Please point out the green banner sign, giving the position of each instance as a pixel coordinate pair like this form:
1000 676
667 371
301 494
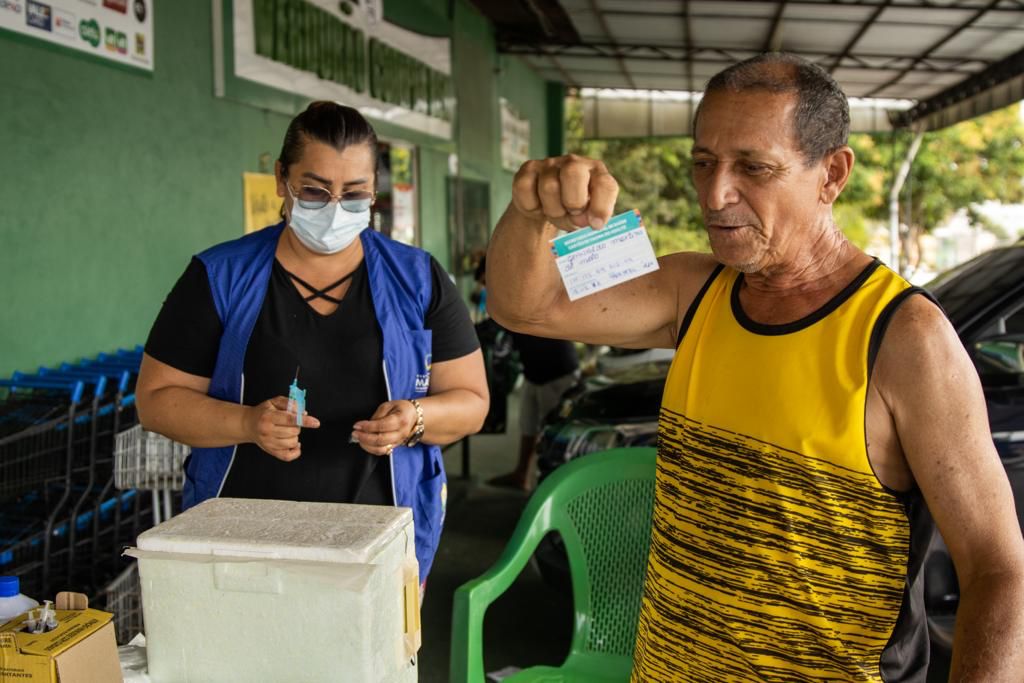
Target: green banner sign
311 39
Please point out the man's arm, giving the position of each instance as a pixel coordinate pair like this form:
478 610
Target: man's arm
525 291
933 393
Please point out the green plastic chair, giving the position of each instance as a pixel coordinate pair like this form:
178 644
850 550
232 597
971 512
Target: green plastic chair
601 505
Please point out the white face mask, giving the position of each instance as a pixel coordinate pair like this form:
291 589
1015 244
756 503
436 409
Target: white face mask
327 230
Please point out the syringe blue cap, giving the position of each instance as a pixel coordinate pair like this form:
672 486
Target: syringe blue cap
10 586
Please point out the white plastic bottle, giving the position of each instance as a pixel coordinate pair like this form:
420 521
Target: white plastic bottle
12 602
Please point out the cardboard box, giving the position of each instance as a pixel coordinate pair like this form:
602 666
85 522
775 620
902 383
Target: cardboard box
81 649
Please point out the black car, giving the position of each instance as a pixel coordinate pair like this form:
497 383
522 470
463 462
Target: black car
984 299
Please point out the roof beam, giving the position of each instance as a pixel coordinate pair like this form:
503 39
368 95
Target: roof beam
688 44
569 80
542 19
920 4
935 46
994 75
717 16
938 65
856 38
773 43
608 34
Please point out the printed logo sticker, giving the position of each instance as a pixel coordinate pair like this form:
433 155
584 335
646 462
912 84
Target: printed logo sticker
423 380
116 41
117 5
89 32
11 6
64 23
139 9
140 44
39 15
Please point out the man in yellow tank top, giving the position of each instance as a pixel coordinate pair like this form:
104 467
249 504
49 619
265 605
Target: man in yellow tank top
817 407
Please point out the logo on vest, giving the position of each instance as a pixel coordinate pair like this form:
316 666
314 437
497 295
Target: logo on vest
423 379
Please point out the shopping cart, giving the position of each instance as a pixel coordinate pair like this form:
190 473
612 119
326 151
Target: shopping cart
62 523
123 598
38 452
150 462
49 556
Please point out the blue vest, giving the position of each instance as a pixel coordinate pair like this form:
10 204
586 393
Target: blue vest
400 284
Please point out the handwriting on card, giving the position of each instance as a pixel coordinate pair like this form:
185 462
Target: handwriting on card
593 260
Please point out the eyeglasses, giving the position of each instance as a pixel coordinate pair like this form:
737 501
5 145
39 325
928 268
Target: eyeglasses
313 197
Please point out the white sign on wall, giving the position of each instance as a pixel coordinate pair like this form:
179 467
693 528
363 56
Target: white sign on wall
318 62
118 30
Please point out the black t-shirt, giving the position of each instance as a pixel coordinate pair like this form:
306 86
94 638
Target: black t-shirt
341 369
545 359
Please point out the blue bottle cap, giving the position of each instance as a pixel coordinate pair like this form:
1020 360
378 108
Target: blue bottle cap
10 586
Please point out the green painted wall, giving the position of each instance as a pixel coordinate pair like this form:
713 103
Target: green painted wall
529 96
114 178
476 91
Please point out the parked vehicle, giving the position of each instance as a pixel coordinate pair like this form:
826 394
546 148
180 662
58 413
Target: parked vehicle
984 299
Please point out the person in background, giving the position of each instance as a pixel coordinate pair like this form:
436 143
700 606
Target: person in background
375 330
550 368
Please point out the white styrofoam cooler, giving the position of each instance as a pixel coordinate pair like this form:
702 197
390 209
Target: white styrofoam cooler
258 590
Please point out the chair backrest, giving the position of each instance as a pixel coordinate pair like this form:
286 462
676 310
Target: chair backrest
601 505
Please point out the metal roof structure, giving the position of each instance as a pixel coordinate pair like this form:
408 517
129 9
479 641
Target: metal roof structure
949 59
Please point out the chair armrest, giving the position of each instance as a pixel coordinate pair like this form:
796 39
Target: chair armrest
473 598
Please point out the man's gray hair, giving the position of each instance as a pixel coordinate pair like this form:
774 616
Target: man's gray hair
821 124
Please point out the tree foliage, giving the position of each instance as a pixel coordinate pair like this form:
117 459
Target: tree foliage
654 177
956 167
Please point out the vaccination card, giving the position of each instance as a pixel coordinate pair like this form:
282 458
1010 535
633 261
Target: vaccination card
593 260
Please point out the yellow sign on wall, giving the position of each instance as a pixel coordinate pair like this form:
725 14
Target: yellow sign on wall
261 204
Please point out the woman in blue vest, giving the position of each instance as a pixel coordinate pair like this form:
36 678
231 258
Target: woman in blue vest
375 330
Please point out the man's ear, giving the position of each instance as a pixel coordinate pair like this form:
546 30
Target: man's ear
838 166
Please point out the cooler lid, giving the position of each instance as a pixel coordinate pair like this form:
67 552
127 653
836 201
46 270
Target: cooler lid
286 530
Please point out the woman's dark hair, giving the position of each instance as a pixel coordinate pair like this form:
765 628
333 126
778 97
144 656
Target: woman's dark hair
822 118
330 123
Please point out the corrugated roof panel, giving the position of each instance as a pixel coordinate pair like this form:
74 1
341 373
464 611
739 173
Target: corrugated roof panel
864 76
651 38
661 82
646 30
572 64
937 81
983 44
730 34
740 10
609 80
926 16
650 66
807 36
900 41
834 13
637 6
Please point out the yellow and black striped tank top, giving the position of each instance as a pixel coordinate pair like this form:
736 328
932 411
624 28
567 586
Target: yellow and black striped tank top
776 554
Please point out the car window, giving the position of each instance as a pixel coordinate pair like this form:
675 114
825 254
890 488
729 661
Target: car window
999 352
973 286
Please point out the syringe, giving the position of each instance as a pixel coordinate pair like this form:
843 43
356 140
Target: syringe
297 399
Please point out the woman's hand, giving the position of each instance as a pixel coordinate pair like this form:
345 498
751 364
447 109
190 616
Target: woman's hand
391 425
272 427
